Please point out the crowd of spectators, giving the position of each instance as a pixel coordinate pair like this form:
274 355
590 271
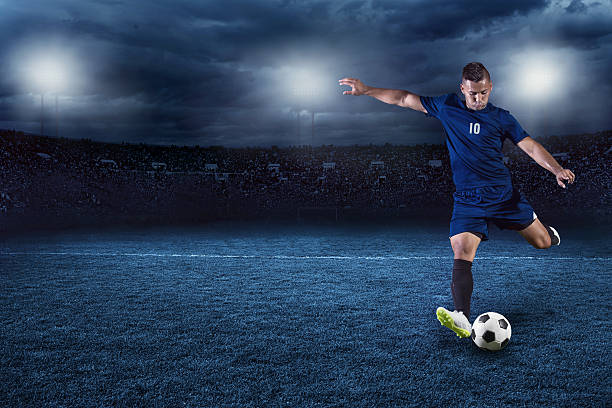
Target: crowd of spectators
43 178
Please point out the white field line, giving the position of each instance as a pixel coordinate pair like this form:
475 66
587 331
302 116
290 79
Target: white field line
298 257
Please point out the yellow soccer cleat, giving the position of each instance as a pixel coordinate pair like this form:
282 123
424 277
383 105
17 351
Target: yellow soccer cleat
456 321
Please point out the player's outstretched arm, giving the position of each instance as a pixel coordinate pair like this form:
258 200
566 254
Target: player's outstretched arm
538 153
397 97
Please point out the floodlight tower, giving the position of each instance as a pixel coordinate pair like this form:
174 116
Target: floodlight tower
306 92
56 117
312 126
42 113
49 76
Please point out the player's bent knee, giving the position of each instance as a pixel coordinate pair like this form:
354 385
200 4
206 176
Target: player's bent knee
541 243
537 235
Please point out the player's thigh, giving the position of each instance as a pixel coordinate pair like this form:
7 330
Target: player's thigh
465 245
536 234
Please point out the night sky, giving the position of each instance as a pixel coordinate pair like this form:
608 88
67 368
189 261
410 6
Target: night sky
237 73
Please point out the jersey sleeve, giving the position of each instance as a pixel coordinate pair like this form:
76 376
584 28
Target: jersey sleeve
513 130
433 104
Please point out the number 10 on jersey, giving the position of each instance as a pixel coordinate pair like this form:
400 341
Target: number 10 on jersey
474 128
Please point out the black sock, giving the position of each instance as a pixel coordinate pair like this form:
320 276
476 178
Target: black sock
462 285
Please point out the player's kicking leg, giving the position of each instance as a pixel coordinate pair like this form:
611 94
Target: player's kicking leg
541 236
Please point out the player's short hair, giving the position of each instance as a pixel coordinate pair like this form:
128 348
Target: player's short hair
475 72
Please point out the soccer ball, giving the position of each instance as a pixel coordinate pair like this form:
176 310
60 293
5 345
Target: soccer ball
491 331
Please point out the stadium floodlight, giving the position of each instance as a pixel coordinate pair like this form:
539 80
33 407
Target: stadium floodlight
541 78
538 75
537 80
45 66
307 85
49 75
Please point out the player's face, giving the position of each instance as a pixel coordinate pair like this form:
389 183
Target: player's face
476 93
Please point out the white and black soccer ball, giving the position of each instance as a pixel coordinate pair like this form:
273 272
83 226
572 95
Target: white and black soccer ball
491 331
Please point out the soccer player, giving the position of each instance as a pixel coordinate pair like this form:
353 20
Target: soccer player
475 132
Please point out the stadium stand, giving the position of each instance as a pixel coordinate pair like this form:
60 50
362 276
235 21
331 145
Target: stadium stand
50 181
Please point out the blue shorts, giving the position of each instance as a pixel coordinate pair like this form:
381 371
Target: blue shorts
505 206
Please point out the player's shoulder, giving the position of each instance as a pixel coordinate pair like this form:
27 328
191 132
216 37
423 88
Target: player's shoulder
435 105
498 109
441 99
502 113
451 99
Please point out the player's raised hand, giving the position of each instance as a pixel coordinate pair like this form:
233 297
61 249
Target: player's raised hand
565 176
357 87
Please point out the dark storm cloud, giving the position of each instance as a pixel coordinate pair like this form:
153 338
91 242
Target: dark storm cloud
221 72
439 19
576 6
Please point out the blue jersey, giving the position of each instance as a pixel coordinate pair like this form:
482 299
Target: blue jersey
474 140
